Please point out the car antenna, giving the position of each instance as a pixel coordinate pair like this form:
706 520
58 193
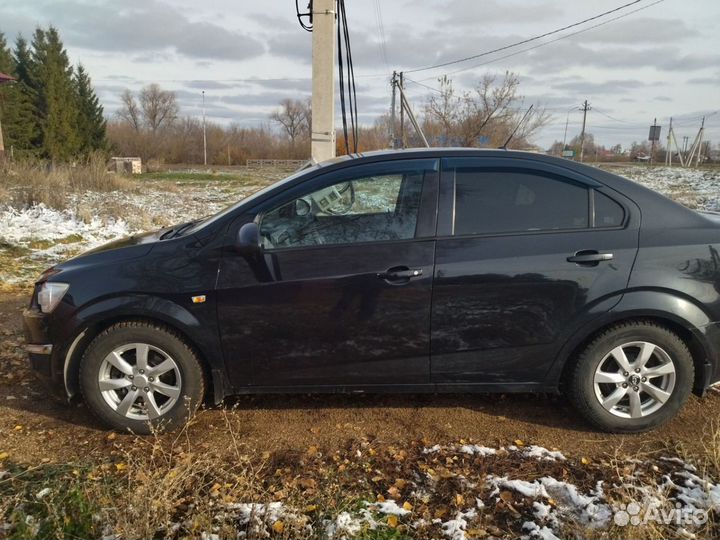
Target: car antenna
520 123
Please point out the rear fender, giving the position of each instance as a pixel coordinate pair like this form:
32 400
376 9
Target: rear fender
660 305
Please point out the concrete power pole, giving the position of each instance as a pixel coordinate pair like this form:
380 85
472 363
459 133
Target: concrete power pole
585 108
204 131
322 144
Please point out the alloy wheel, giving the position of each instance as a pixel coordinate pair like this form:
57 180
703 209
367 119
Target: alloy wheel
634 379
140 381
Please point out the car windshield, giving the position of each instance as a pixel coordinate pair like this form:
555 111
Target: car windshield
248 200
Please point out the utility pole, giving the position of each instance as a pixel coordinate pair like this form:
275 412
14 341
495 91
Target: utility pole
402 112
585 108
2 146
204 131
567 120
393 82
653 139
668 151
324 27
405 104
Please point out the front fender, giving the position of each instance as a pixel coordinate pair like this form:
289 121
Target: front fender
198 326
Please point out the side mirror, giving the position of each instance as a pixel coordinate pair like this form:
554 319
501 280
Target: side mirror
248 239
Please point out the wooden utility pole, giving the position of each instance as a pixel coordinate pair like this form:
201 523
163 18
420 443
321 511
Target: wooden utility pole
324 28
585 108
2 145
393 82
402 113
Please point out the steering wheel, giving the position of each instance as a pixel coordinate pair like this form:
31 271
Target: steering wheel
338 210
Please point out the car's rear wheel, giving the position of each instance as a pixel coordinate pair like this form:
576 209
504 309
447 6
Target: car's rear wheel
140 376
632 377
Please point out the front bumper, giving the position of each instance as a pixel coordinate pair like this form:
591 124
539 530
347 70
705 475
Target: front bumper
46 359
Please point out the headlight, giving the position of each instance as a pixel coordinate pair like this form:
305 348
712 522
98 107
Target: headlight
50 294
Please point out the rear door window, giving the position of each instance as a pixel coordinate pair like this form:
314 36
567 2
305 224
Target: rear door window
509 201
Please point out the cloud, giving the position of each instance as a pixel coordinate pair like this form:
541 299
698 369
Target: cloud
482 13
654 30
141 25
612 86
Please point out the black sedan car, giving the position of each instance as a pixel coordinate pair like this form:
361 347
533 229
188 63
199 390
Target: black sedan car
407 271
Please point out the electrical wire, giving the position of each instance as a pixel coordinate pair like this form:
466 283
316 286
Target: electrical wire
528 40
381 33
306 27
345 50
521 51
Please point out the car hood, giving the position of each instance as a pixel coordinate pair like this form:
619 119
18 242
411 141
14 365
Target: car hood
123 249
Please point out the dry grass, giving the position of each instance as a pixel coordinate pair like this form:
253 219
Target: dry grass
24 184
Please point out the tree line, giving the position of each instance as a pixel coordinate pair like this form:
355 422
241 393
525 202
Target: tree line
51 111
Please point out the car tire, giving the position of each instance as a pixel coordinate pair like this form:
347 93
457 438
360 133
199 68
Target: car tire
141 377
632 377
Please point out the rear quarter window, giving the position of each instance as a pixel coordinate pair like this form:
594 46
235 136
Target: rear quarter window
608 213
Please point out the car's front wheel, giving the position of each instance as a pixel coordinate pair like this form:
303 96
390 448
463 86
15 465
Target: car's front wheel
140 376
632 377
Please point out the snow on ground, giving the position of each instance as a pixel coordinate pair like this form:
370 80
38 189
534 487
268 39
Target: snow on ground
36 237
698 189
39 236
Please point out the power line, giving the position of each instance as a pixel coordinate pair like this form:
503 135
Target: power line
381 33
551 41
528 40
611 117
300 16
343 38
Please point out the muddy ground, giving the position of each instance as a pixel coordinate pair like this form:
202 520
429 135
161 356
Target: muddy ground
34 427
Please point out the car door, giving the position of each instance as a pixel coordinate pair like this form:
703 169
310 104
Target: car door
340 293
526 253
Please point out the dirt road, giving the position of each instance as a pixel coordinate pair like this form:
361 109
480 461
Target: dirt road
33 427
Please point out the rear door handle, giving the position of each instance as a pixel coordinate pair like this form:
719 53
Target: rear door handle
400 274
589 257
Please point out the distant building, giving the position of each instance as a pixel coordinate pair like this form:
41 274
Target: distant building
127 165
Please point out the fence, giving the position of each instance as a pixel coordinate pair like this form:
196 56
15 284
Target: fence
279 163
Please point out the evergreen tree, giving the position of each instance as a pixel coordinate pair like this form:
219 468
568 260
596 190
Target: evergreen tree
90 122
51 77
19 121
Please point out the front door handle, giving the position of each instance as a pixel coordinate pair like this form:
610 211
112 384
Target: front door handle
589 257
400 274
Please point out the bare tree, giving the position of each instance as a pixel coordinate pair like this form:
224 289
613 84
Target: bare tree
130 112
159 107
295 118
492 109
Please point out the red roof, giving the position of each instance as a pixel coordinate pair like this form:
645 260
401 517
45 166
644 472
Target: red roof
5 78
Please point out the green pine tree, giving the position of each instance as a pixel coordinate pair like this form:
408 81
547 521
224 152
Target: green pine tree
90 123
51 77
17 114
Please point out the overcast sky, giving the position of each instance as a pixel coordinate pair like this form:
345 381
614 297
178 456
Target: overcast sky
247 55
